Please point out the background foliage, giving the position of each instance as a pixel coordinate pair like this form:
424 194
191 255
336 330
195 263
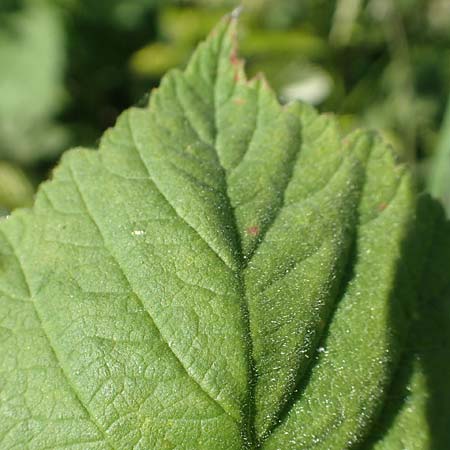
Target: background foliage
69 67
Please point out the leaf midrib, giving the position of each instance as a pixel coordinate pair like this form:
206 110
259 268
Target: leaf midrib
248 432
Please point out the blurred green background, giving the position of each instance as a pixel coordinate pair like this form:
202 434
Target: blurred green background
69 67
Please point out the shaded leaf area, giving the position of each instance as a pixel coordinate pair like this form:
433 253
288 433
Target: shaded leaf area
223 273
418 404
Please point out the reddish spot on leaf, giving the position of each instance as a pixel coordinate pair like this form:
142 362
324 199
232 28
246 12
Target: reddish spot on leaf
382 206
253 231
234 59
239 101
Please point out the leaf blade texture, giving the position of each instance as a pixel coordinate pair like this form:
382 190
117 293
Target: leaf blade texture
222 273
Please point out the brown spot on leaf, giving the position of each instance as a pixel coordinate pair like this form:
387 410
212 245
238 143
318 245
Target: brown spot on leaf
382 206
253 231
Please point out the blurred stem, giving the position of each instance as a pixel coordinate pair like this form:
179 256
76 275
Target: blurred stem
439 179
345 15
397 42
362 87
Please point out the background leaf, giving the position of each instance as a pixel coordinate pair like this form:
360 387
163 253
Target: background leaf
15 188
32 46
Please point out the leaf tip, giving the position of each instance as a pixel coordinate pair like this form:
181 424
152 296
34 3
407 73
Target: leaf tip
236 13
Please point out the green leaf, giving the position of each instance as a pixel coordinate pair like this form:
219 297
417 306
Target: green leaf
32 58
223 273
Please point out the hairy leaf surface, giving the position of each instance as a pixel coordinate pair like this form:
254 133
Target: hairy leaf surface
223 273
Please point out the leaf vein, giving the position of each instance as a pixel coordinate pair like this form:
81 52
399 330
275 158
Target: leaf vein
152 321
52 348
